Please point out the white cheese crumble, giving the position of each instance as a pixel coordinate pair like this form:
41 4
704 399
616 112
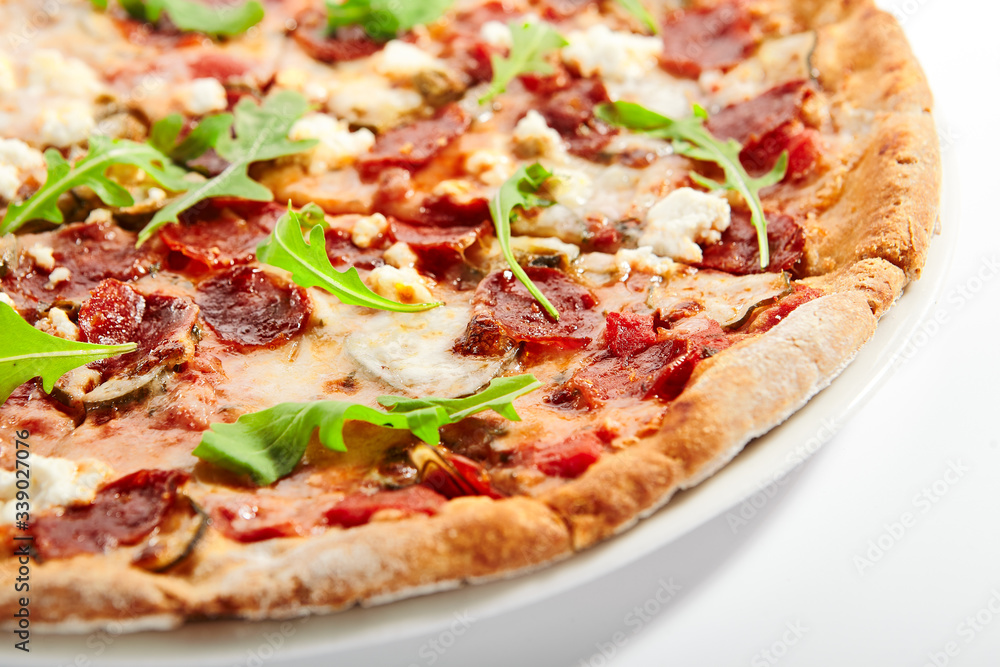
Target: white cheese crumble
67 123
203 96
403 285
294 78
544 245
676 223
372 101
534 138
7 300
402 60
54 482
59 275
41 255
52 71
18 160
644 260
338 147
496 33
490 167
367 229
400 255
612 55
58 324
99 215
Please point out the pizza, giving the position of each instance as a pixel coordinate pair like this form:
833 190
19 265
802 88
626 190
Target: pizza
308 306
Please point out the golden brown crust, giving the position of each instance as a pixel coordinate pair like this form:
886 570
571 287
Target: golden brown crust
861 251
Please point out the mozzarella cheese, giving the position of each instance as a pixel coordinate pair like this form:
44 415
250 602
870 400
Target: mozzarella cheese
59 275
676 224
489 166
496 34
67 123
615 56
644 260
534 138
7 300
400 255
367 229
41 255
203 96
403 285
401 60
52 71
373 101
18 161
338 147
53 482
413 352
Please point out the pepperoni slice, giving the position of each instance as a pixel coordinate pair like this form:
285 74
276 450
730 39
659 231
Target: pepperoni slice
161 325
91 252
659 371
342 251
571 457
349 43
440 250
124 511
772 316
710 38
249 308
223 233
358 508
217 65
769 124
413 146
629 333
571 113
738 252
509 306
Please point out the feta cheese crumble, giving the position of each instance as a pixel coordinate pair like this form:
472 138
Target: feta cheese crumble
676 224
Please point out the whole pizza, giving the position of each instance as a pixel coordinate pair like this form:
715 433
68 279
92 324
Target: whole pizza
308 305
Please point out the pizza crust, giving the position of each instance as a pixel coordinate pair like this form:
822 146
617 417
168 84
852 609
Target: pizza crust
743 392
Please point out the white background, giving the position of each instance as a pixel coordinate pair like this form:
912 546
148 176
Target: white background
822 572
794 563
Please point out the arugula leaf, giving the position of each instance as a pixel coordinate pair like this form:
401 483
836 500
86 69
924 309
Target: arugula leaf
205 135
90 171
691 139
26 353
531 43
310 266
638 10
225 20
267 445
520 191
261 134
382 20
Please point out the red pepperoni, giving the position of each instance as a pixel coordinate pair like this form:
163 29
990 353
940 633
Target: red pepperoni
464 45
249 308
659 371
123 512
710 38
519 316
466 478
223 233
772 316
349 42
706 336
629 333
91 252
561 9
161 326
217 65
342 251
739 253
769 124
249 518
571 113
570 458
413 146
358 508
440 250
397 197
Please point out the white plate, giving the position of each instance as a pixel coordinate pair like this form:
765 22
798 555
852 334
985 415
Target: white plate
755 473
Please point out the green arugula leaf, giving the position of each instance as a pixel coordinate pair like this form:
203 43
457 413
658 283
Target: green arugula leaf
691 139
205 135
638 10
310 266
383 20
531 44
267 445
90 171
311 215
520 191
261 134
26 353
225 20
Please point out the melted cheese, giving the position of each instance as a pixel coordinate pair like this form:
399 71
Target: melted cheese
413 352
53 482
